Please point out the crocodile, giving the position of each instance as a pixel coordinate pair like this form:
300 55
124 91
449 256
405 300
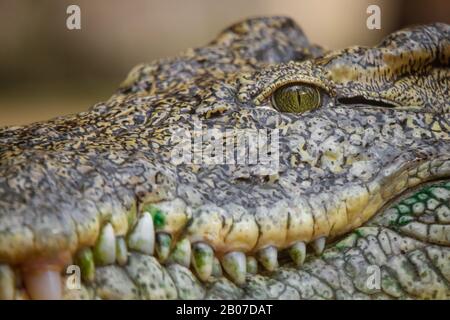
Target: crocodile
260 166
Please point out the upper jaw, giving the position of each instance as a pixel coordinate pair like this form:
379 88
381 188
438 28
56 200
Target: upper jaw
336 168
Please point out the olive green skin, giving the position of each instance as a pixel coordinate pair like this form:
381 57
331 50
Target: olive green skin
382 129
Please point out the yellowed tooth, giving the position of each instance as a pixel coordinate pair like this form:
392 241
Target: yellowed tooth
43 284
268 257
235 265
142 238
7 282
121 251
105 248
181 254
319 245
163 245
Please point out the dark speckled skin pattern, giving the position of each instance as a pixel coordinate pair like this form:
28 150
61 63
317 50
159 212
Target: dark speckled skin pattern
380 136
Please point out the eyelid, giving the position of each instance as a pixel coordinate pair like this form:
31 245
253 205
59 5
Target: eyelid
300 80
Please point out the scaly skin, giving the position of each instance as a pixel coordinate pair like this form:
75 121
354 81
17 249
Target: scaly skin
73 183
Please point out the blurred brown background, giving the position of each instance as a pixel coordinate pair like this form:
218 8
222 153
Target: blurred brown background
47 70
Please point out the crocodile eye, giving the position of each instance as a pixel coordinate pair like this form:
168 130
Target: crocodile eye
296 98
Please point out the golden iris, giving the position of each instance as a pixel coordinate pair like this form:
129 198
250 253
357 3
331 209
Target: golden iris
296 98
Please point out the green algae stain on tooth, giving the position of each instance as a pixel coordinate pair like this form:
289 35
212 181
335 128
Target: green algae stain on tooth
235 265
203 260
121 251
181 254
298 253
85 260
142 238
7 282
252 265
105 248
268 257
163 245
159 218
216 268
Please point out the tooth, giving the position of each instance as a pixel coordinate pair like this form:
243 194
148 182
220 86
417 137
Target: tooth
105 248
121 251
142 238
163 244
85 260
216 268
319 245
7 282
268 258
182 253
235 265
43 283
202 260
252 265
298 253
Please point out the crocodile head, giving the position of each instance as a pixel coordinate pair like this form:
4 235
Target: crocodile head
211 174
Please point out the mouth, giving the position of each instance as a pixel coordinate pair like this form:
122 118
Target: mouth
171 242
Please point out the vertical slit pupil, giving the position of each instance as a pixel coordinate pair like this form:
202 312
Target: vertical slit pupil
296 98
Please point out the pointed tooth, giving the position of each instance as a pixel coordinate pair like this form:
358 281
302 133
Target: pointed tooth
235 265
181 254
85 260
319 245
43 284
105 248
216 268
202 260
163 244
268 257
7 282
121 251
298 253
142 238
252 265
